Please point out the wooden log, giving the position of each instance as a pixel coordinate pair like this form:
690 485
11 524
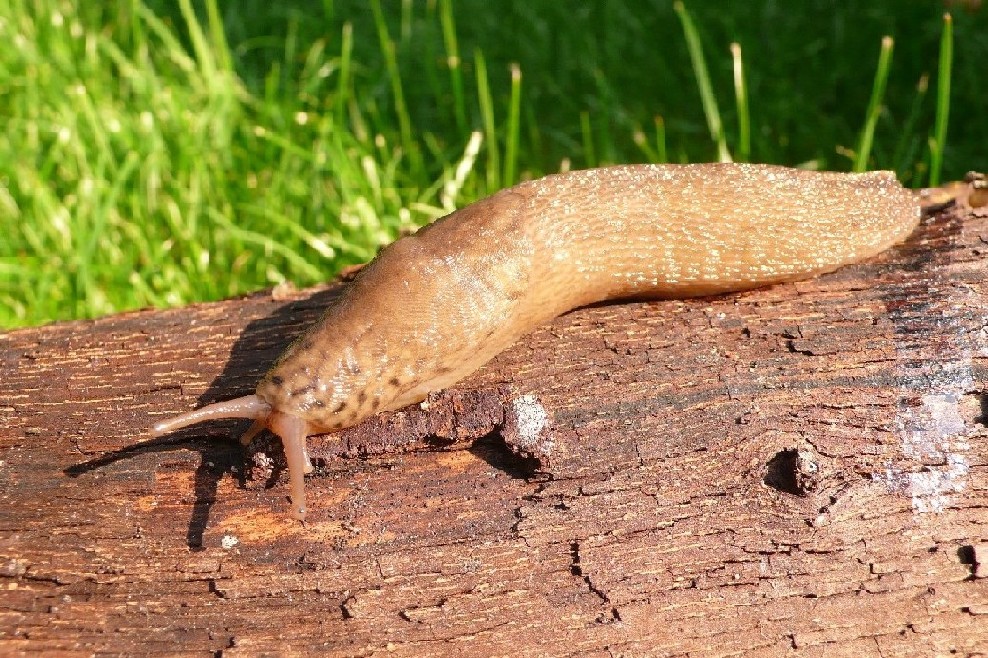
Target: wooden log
798 470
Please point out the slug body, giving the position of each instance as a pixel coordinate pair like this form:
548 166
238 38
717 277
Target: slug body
433 307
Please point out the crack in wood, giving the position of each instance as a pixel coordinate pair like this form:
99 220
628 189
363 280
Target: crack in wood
577 570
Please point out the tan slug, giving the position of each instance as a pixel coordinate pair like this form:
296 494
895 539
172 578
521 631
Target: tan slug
433 307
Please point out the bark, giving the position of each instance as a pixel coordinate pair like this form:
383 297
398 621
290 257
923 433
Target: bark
799 470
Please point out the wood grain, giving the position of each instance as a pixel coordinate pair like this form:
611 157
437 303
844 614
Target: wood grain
799 470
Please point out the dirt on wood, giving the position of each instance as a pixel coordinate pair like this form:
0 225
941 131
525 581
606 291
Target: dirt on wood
800 470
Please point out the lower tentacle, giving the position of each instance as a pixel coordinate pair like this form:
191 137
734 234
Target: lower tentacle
259 426
293 431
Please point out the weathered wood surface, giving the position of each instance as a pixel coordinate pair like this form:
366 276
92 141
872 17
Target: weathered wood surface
799 470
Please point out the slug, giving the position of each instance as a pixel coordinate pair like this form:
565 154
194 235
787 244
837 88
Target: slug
435 306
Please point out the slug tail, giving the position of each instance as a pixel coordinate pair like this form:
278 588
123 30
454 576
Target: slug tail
249 406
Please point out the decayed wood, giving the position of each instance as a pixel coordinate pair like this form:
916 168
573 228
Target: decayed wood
799 470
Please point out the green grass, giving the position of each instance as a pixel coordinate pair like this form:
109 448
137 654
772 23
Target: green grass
159 153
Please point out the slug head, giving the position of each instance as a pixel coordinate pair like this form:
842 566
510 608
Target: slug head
430 309
291 429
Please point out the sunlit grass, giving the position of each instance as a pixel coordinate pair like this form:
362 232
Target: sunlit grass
151 177
158 154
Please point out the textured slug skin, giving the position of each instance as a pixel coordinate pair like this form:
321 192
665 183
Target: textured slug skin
435 306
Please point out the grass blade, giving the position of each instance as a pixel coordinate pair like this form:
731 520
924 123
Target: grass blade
343 92
514 128
874 105
490 127
741 101
453 63
710 109
939 141
204 54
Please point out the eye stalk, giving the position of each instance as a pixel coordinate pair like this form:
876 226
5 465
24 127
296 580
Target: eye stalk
249 406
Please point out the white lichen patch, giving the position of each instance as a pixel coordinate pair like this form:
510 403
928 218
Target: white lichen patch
531 421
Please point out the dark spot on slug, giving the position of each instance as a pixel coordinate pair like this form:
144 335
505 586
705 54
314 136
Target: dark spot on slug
306 344
394 381
443 370
362 397
376 403
302 391
318 403
277 380
340 407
